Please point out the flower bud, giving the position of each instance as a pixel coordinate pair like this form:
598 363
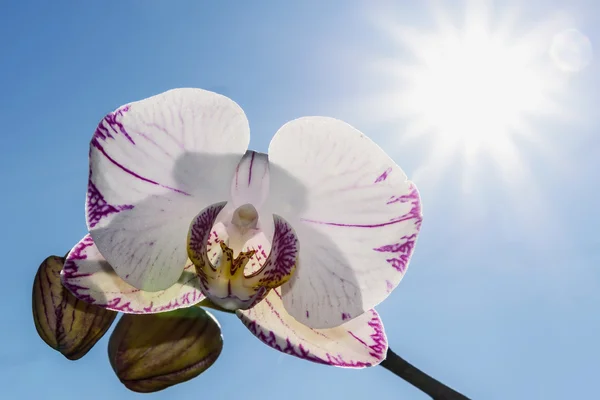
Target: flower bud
65 323
151 352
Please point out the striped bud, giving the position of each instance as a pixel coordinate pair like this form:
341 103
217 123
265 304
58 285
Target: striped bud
66 324
150 352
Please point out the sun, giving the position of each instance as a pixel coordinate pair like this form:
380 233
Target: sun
472 86
473 89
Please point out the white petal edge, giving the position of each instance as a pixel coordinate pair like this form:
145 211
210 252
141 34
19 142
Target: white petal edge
90 278
154 164
358 343
355 213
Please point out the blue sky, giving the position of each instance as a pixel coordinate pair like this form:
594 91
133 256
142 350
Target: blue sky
501 300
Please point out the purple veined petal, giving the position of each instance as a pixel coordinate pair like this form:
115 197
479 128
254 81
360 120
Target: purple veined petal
355 344
356 215
280 265
154 164
91 279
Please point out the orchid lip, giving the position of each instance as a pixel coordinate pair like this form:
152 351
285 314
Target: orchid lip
226 284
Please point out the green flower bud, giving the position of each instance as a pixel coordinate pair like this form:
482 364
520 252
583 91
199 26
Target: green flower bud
66 324
151 352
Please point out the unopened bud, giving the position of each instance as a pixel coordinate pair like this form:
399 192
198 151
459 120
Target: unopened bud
65 323
151 352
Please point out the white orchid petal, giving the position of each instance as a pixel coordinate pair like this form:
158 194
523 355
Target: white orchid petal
250 184
153 165
355 213
91 279
356 344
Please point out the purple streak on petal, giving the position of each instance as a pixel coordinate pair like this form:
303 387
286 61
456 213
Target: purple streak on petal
384 175
71 271
115 305
271 340
412 196
401 252
380 347
112 122
166 132
97 207
252 155
250 170
97 145
149 308
345 316
149 139
381 225
357 338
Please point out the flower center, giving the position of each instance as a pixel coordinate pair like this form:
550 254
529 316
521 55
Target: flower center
226 284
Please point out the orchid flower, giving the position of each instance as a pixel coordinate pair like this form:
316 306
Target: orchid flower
301 243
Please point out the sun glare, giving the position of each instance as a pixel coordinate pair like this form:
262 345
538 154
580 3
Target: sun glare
473 89
472 85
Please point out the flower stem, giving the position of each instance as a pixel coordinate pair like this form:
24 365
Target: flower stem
419 379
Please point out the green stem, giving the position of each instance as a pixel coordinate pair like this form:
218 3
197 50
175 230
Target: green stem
419 379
